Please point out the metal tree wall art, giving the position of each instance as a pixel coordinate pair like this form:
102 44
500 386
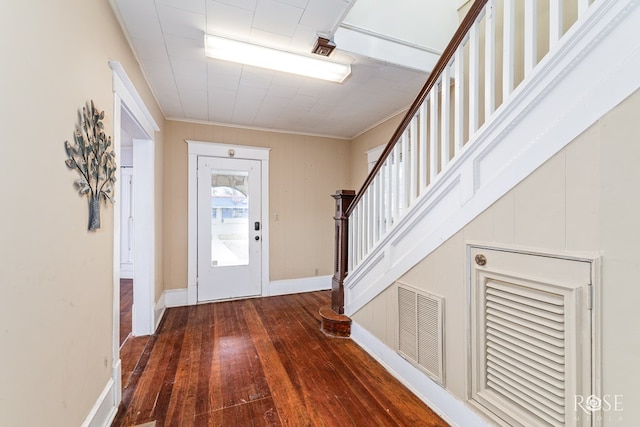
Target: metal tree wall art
94 159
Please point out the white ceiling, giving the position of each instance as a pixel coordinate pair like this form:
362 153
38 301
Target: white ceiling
167 37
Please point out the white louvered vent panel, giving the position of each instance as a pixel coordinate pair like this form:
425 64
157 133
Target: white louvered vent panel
525 348
530 342
429 335
421 330
407 323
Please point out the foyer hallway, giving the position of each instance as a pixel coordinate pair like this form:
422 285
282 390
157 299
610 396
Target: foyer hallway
262 362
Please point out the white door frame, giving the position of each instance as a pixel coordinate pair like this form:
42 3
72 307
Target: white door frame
126 268
210 149
142 313
126 98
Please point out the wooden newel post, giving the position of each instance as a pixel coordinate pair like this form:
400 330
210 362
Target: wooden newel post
343 199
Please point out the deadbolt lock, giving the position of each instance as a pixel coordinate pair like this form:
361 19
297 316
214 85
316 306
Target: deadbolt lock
481 260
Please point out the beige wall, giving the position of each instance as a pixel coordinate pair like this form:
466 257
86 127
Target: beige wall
304 172
56 279
582 201
374 137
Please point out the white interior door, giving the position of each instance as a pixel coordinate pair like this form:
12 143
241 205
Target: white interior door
126 223
229 228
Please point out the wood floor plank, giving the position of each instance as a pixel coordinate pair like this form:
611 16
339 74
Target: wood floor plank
287 399
262 362
126 302
180 411
303 367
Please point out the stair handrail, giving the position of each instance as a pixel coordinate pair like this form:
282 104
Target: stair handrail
458 37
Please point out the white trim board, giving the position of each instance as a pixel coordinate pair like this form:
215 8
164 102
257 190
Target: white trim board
297 286
443 403
179 297
144 277
126 101
105 408
174 298
569 91
213 149
130 97
168 299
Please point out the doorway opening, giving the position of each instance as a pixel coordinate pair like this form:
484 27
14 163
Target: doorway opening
134 128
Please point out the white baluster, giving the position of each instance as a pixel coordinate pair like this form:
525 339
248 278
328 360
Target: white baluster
445 115
489 60
474 76
423 145
404 172
366 222
370 221
389 192
433 136
508 37
413 150
360 230
394 185
384 195
355 226
396 182
350 253
458 129
372 214
555 21
377 209
530 36
583 6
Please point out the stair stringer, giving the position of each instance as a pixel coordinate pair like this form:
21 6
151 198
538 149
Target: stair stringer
595 67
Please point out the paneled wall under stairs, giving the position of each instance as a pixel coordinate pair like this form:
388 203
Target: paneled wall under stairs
581 202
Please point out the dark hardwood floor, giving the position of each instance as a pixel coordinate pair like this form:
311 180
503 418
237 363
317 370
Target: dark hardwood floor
261 362
131 348
126 302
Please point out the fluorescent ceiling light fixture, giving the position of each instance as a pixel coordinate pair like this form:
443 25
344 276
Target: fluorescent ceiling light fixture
278 60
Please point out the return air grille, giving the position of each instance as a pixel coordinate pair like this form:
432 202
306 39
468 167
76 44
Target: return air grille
420 335
526 357
530 337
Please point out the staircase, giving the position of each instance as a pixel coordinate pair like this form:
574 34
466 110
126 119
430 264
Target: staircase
517 83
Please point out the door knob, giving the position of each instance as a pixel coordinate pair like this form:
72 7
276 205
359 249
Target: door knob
481 260
257 237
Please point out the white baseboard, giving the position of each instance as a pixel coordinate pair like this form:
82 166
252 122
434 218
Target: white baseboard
296 286
169 298
126 272
158 311
116 375
447 406
105 408
175 297
179 297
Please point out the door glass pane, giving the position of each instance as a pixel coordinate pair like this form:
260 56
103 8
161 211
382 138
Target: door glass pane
229 218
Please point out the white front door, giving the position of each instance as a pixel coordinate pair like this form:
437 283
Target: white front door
229 228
